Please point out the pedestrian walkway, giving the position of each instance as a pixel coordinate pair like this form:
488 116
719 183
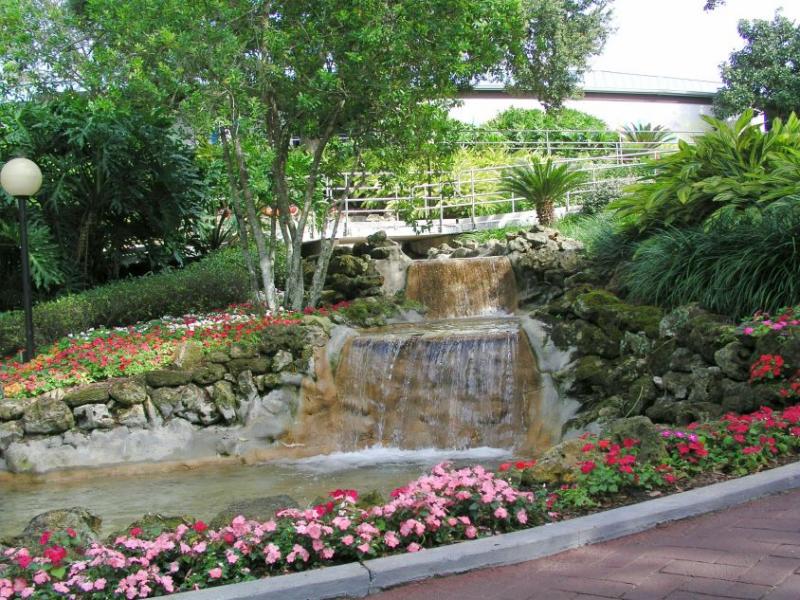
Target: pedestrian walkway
751 551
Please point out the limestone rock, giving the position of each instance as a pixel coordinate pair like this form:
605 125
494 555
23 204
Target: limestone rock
282 361
257 366
243 351
82 520
128 392
208 374
95 393
651 444
168 378
559 463
10 432
256 509
188 354
94 416
734 359
133 417
12 409
682 412
166 400
196 406
47 416
225 400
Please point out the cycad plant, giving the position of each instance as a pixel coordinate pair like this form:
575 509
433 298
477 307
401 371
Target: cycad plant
543 184
644 138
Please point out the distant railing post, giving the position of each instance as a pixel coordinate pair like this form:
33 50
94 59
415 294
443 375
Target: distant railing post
346 208
472 193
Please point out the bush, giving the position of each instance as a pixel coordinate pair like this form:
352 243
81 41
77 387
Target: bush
595 199
211 283
606 244
734 267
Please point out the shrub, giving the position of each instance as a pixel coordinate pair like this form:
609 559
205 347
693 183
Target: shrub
735 267
543 184
606 244
596 198
733 168
211 283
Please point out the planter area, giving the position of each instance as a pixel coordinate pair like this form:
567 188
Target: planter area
155 556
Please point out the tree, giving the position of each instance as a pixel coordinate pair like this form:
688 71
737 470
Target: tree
559 38
543 184
765 74
712 4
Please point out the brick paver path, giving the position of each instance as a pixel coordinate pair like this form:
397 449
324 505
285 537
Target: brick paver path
751 551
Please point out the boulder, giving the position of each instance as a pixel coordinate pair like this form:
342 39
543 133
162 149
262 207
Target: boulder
591 372
47 416
128 392
678 384
225 400
558 465
218 357
12 409
82 520
196 406
208 373
282 361
168 378
243 351
585 338
188 354
94 416
682 412
651 444
10 432
256 509
95 393
734 359
256 366
684 360
166 400
133 417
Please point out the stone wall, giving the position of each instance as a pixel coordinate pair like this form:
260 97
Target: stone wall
203 405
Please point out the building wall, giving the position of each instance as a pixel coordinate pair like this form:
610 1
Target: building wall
674 112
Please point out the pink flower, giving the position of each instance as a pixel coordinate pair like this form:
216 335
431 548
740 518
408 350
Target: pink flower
347 540
471 532
272 554
41 577
522 516
215 573
414 547
363 548
314 531
501 513
391 540
327 553
100 584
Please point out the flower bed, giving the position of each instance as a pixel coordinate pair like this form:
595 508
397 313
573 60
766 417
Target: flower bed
101 354
446 506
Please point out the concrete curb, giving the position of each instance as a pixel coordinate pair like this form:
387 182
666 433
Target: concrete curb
357 580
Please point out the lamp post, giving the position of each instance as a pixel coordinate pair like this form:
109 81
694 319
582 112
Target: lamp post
22 178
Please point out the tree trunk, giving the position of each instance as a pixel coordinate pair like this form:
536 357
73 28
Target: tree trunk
324 259
545 211
267 275
240 222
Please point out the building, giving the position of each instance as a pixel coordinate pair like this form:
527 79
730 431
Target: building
617 98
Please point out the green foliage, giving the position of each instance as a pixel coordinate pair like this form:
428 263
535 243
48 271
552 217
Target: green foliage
211 283
643 138
560 37
606 244
734 168
734 267
486 235
595 199
765 74
120 189
543 184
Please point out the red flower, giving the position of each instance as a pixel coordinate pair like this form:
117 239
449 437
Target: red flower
229 538
350 495
71 532
629 443
587 467
56 554
604 444
136 531
199 526
504 467
23 560
44 538
587 448
751 450
520 465
670 478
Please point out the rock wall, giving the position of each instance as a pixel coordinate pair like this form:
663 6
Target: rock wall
224 403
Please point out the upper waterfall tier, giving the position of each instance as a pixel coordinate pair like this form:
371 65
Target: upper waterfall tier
468 287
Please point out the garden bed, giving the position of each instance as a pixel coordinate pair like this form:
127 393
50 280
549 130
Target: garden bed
446 506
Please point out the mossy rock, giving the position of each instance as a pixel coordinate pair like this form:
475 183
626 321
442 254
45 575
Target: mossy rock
734 359
256 509
188 354
82 520
153 524
651 444
95 393
585 338
348 265
708 335
742 397
208 374
683 412
47 416
317 321
168 378
128 392
592 372
240 350
558 464
13 409
218 357
293 338
658 361
590 305
640 395
631 317
257 366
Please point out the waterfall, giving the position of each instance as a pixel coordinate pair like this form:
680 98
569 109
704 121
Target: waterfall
463 287
451 384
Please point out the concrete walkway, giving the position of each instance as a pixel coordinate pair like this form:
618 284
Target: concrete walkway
751 551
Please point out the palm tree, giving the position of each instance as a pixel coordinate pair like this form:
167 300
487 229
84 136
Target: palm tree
543 184
644 138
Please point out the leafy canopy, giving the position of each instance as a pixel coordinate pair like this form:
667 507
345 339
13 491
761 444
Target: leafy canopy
765 74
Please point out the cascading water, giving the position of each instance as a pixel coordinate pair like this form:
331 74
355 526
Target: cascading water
452 288
458 383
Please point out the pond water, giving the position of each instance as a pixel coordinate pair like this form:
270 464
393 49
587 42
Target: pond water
203 492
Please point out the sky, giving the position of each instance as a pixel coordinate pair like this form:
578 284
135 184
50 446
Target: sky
678 38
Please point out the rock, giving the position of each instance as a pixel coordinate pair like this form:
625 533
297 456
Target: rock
13 408
243 351
168 378
377 239
93 416
706 385
218 357
651 444
640 394
636 344
256 509
559 463
586 338
208 374
128 392
658 360
678 322
685 361
734 360
95 393
10 432
267 382
225 400
318 322
739 397
709 333
196 406
153 524
282 361
166 400
610 313
677 384
677 412
133 417
84 522
537 239
47 416
188 355
256 366
591 372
